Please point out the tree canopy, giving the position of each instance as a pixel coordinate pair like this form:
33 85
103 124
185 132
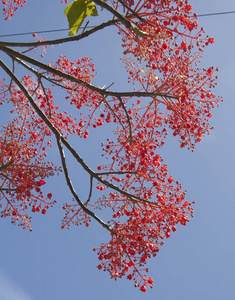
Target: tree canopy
168 93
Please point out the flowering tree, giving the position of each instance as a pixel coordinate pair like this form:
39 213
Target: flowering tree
168 91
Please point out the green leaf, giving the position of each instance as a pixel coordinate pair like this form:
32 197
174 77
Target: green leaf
77 11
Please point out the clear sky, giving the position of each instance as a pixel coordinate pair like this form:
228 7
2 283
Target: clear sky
198 261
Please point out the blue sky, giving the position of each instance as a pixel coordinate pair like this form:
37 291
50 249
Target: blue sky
198 261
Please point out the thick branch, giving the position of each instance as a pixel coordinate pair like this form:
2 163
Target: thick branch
37 73
124 20
132 11
103 92
6 189
127 23
60 41
6 165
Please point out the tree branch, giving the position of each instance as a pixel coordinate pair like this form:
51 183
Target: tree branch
115 172
113 112
62 40
128 24
133 12
124 20
6 189
67 145
128 117
103 92
6 165
91 187
70 185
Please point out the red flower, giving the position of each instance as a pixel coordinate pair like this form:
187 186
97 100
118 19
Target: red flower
209 71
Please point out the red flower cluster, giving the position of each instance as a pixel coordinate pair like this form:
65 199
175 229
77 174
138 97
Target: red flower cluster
22 174
10 6
23 169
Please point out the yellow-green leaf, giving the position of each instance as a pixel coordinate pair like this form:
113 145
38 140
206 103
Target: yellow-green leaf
77 11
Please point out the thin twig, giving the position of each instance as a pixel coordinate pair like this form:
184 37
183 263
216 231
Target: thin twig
128 117
13 71
44 91
115 172
70 185
120 121
85 27
90 193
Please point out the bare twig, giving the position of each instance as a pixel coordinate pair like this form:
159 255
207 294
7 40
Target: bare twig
90 193
113 112
85 26
128 117
70 185
13 70
44 91
115 172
